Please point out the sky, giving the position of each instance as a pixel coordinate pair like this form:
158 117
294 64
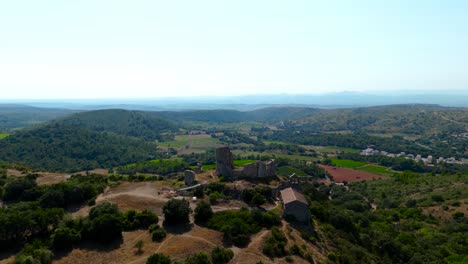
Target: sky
150 49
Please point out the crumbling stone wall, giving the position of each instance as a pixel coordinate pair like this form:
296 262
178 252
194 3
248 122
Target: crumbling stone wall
258 169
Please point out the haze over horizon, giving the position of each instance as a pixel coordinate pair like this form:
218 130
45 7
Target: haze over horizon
148 49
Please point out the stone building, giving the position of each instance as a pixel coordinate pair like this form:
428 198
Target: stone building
295 205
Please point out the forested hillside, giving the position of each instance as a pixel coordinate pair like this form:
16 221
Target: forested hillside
264 115
405 119
60 147
128 123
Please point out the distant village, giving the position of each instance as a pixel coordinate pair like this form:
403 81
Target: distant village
429 160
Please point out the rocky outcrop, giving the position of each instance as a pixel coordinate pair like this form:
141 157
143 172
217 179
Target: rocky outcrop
224 165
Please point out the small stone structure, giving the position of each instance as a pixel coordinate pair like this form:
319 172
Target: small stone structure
295 205
199 168
224 165
258 169
189 177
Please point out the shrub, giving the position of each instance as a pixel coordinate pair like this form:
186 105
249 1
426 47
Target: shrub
199 258
275 243
157 232
158 259
105 208
221 255
203 213
238 225
63 238
458 216
135 220
139 246
34 253
107 227
437 198
176 212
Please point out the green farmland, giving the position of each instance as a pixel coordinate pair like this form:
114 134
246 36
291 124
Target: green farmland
347 163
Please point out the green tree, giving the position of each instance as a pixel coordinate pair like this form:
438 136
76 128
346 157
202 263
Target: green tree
105 208
176 211
203 213
158 259
221 255
63 238
199 258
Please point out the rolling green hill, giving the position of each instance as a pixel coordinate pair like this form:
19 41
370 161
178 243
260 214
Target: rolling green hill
414 120
19 116
60 147
264 115
144 125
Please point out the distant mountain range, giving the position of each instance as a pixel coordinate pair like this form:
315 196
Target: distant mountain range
252 102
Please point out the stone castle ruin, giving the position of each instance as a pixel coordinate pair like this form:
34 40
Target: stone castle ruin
224 165
258 169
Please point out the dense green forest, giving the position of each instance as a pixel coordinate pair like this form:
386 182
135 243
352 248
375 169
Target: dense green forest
59 147
123 122
399 227
411 119
265 115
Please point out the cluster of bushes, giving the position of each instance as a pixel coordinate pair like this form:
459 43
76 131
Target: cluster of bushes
157 232
139 220
258 195
104 224
22 222
193 159
34 211
176 211
238 225
398 230
218 256
216 191
275 244
76 190
161 166
203 213
134 177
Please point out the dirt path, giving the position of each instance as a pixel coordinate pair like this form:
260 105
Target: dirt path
253 249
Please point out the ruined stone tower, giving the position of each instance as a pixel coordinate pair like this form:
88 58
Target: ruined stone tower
224 165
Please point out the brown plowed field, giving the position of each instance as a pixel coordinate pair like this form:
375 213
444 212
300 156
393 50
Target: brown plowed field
344 174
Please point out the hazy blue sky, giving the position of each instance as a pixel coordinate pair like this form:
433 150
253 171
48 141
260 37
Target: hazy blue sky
91 49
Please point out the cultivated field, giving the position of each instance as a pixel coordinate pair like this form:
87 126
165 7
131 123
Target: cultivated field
350 175
186 144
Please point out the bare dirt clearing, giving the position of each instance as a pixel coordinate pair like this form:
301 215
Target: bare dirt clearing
53 177
178 246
